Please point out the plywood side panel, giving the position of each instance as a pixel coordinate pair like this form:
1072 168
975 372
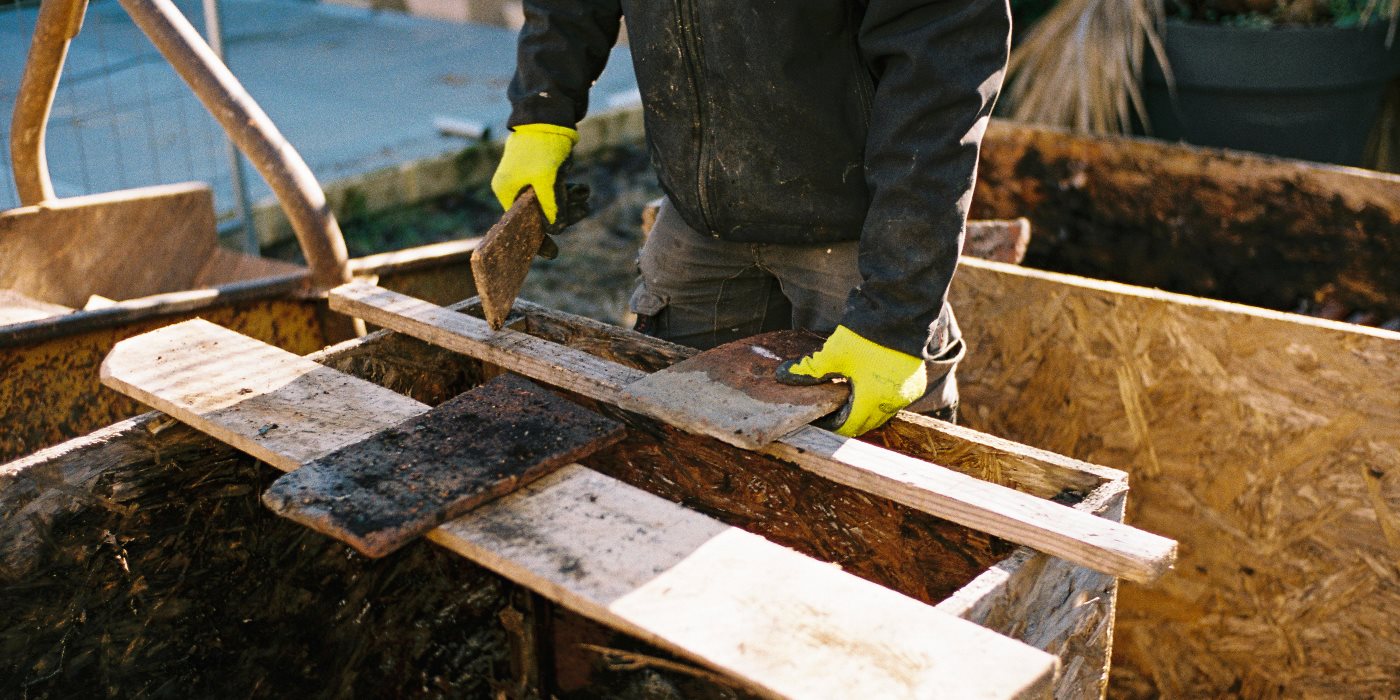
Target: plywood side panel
1267 443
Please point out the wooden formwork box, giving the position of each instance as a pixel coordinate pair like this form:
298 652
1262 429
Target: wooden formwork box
89 490
1267 443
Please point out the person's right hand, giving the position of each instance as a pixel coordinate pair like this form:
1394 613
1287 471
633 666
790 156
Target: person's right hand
533 156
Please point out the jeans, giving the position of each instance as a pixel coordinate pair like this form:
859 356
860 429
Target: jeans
702 292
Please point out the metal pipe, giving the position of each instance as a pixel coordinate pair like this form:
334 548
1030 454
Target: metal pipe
57 24
238 176
250 128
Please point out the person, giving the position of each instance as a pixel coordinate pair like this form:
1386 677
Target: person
817 157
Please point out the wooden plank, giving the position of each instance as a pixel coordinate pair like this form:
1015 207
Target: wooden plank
1079 537
120 245
253 396
19 308
661 572
729 393
1267 443
502 259
379 494
779 623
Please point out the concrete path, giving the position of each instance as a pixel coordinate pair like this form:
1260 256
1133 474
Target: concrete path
353 90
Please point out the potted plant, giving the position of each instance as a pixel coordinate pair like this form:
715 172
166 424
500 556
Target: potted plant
1297 78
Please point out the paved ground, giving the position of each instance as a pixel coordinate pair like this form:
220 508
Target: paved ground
353 90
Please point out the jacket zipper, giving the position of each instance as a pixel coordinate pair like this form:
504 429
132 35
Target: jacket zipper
690 50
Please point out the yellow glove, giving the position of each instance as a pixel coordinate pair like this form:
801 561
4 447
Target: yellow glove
883 380
534 153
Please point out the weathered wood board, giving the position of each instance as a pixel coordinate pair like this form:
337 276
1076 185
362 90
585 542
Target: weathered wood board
1079 537
120 245
379 494
1267 443
777 622
251 395
730 393
501 261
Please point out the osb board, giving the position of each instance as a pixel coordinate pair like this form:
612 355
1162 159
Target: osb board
1223 224
1267 443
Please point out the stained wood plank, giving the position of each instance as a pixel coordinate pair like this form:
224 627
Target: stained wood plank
120 245
379 494
728 392
1076 536
779 623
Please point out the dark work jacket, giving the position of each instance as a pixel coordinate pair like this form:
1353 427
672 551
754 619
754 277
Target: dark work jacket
800 121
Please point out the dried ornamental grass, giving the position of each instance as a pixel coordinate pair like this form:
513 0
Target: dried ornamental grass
1080 67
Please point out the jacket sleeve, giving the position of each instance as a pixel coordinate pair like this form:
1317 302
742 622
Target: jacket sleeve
563 47
938 66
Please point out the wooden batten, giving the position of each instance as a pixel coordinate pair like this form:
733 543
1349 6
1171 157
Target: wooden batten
1267 443
776 622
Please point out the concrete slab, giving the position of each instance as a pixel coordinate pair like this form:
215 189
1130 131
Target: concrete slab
353 90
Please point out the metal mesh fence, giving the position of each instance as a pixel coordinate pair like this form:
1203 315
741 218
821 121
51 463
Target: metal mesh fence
121 118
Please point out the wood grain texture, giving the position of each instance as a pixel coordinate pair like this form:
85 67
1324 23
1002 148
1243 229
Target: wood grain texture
661 572
729 393
1267 443
380 493
1079 537
781 624
120 245
502 259
254 396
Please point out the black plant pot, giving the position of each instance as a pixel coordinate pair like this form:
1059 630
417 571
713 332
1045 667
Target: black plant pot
1301 92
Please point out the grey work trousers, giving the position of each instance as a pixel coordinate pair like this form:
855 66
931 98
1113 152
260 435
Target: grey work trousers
701 291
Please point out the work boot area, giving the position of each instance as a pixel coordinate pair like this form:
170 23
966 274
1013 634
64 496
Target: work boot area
317 380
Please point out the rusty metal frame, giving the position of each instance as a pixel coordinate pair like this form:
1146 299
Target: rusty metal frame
300 196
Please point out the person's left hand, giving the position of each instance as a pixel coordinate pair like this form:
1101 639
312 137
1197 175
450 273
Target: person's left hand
883 380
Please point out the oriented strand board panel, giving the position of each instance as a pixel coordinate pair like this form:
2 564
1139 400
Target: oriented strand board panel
120 245
777 622
1267 443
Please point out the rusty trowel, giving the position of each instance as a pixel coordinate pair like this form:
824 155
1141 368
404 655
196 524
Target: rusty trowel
729 392
500 263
